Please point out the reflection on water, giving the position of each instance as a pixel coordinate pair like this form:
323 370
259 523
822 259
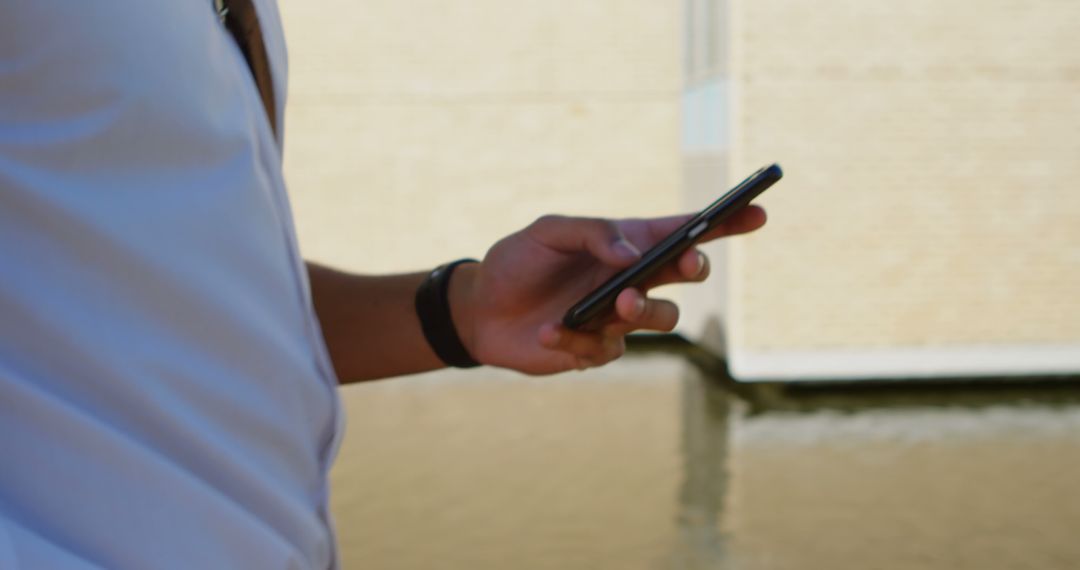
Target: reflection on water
705 413
493 470
952 488
628 467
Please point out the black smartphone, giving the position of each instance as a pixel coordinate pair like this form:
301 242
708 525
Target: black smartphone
601 301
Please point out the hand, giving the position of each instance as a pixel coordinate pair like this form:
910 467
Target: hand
508 308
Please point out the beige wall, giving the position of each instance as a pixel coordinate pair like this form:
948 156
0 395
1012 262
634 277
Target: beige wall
422 131
931 151
929 155
457 122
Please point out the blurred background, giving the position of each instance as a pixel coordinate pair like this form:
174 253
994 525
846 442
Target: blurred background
884 377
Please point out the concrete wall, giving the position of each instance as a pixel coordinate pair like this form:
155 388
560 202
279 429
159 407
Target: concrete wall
419 132
706 142
927 224
930 199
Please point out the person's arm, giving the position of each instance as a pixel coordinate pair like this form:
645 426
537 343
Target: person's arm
369 323
507 308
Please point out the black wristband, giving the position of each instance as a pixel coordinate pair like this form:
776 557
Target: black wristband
433 308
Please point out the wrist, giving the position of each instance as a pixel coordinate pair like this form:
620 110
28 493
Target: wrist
434 307
461 298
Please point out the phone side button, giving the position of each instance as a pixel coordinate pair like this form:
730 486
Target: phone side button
697 230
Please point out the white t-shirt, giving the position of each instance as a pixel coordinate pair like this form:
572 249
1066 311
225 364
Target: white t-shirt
166 400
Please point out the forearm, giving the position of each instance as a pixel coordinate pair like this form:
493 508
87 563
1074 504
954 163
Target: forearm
370 324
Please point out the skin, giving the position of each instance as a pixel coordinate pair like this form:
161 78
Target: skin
507 308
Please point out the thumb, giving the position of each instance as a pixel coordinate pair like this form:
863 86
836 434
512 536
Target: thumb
601 238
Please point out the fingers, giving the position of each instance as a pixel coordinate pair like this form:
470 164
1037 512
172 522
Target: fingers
745 220
586 349
601 238
692 266
633 312
639 312
606 241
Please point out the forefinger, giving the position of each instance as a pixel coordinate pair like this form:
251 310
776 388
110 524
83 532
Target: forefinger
650 231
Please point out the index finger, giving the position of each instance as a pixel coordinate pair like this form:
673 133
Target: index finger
745 220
